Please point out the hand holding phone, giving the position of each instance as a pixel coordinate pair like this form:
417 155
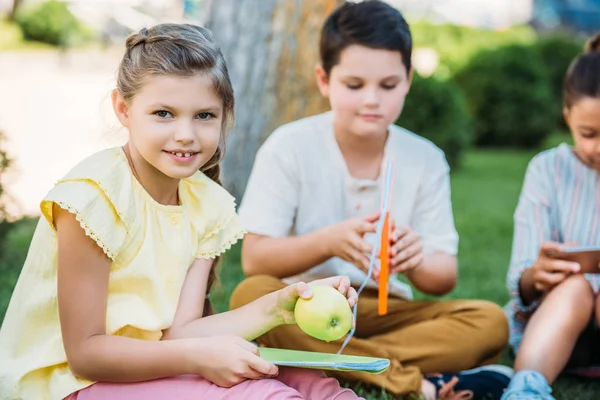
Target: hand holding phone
548 270
588 257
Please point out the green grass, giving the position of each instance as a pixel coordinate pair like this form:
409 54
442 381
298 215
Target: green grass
484 195
12 257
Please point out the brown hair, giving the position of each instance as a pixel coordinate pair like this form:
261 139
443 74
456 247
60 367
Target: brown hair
179 50
371 23
583 76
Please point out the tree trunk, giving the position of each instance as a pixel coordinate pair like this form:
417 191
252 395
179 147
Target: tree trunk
271 48
15 7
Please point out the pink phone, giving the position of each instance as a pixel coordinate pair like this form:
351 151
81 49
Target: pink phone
588 257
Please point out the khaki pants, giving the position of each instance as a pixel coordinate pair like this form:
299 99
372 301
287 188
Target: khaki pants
419 337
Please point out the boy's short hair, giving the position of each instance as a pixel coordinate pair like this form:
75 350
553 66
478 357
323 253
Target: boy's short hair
369 23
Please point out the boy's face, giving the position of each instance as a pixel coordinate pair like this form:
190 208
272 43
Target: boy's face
366 89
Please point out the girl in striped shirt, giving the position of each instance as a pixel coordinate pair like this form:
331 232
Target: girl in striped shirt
555 311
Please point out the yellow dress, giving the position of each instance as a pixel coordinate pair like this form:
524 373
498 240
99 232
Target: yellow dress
151 247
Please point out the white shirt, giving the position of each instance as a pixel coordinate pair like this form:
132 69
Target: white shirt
300 183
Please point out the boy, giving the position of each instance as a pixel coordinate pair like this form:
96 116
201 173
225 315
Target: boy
311 205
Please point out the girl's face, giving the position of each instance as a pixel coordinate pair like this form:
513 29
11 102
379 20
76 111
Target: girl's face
174 123
583 118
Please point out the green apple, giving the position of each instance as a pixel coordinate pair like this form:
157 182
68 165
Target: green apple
326 315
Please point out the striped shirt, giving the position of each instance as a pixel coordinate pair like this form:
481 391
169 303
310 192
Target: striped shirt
560 202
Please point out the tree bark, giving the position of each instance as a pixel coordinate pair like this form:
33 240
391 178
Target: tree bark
271 48
13 12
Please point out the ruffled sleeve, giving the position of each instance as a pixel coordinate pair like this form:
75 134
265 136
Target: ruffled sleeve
213 214
93 209
226 233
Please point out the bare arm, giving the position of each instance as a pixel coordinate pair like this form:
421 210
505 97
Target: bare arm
434 273
286 256
289 256
250 321
527 287
437 274
83 271
247 322
533 227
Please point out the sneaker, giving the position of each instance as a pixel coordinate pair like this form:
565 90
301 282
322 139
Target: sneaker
483 383
528 385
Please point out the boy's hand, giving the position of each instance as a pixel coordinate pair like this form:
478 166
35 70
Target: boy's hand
406 252
288 296
547 271
346 240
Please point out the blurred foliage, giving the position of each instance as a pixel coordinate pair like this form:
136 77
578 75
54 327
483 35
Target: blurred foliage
512 79
557 52
456 45
50 22
12 38
437 109
4 165
509 94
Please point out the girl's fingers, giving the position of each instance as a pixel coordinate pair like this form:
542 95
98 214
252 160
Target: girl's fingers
547 280
352 296
563 266
252 348
262 366
303 290
343 284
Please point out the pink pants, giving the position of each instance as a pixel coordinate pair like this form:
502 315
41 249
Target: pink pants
290 384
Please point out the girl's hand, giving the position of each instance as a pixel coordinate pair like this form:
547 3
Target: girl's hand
287 297
226 360
547 271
